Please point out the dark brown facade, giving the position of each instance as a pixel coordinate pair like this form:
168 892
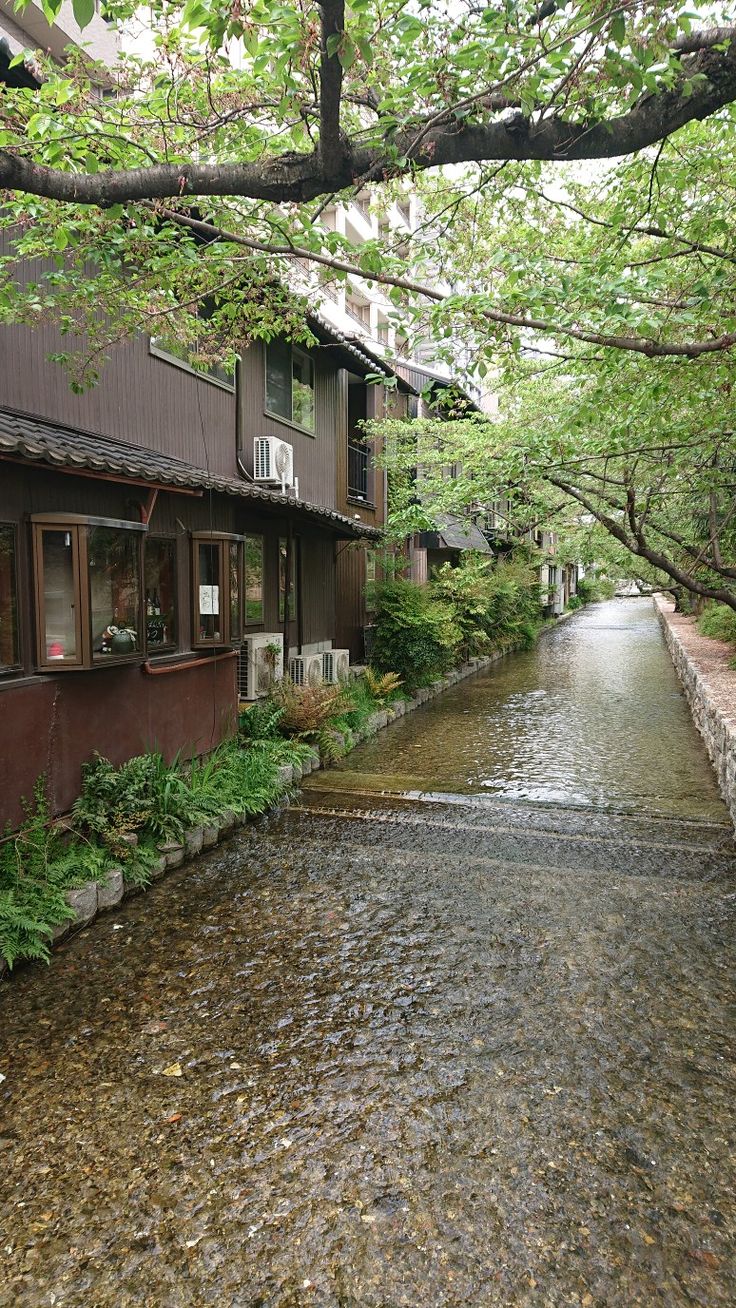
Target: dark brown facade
182 698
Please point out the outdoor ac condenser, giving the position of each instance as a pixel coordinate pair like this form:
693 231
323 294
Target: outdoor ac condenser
260 663
306 669
273 461
335 665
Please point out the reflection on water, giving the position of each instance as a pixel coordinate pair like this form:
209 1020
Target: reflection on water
593 715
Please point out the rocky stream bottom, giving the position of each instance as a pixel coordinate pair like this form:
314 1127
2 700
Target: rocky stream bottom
375 1053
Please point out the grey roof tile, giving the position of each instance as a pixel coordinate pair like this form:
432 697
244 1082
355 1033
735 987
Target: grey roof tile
39 441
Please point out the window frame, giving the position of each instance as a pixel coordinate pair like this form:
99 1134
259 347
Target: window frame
77 526
290 578
174 644
8 669
223 540
204 373
256 622
279 417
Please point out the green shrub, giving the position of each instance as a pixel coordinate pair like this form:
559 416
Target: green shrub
261 721
719 622
36 870
575 602
494 604
416 635
593 589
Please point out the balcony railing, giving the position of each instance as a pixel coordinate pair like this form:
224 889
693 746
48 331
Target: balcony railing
357 471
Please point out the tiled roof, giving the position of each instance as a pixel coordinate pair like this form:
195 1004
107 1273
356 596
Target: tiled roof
355 345
61 447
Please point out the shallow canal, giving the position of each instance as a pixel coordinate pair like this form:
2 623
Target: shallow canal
381 1051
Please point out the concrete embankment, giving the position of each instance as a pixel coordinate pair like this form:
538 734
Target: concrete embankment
709 683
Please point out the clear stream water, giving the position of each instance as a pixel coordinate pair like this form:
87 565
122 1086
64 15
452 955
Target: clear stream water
592 715
471 1050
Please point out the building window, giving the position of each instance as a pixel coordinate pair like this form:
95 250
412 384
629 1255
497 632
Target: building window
290 384
287 579
235 562
187 357
161 606
218 590
9 644
253 580
88 574
114 568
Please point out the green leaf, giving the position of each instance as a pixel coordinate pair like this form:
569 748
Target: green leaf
84 11
618 29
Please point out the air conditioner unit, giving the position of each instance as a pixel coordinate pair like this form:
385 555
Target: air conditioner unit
335 665
260 663
306 669
273 461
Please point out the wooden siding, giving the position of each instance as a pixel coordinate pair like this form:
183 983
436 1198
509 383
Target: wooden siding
140 398
350 584
314 455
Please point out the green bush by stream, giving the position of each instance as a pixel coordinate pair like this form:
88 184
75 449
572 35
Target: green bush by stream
719 622
465 611
120 817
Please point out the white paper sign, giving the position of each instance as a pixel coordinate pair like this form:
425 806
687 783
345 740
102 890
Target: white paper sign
209 599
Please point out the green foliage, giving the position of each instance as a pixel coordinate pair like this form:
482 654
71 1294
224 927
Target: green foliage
719 622
36 870
575 602
261 721
592 589
416 634
145 796
495 604
382 686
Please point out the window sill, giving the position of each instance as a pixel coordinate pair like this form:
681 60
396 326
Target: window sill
12 680
99 665
363 504
288 422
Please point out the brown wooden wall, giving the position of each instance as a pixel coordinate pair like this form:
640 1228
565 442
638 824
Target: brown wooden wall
52 725
140 398
52 722
351 614
315 455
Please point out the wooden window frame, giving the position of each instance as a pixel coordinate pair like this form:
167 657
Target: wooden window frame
223 540
10 669
259 622
279 417
171 646
78 526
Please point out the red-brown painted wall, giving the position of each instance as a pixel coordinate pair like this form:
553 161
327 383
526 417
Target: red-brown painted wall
54 724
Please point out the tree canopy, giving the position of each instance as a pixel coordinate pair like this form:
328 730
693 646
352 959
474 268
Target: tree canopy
575 166
208 167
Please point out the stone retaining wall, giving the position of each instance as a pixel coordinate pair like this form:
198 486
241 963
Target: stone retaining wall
710 689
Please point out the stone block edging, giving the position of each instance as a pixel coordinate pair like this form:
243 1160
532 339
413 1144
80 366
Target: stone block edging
93 898
713 709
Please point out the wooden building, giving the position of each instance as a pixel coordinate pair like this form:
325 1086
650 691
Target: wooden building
138 546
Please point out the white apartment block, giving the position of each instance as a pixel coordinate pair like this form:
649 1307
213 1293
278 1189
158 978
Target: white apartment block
29 30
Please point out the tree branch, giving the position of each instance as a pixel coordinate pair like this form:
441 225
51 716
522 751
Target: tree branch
645 551
296 177
330 76
637 345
